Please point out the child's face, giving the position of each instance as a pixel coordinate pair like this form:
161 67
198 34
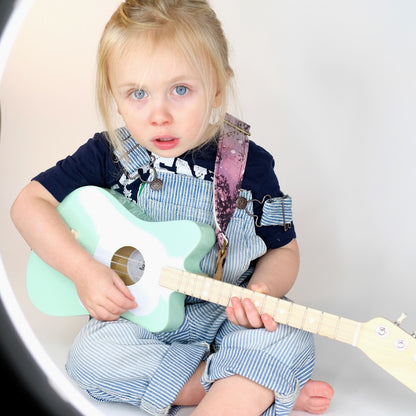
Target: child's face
162 99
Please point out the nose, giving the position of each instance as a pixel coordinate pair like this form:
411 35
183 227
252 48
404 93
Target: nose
160 113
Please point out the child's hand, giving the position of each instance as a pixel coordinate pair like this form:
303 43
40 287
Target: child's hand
104 294
244 313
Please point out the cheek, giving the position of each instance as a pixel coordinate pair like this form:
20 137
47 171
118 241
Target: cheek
198 127
130 114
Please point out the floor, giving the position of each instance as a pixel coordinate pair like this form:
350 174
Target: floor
361 387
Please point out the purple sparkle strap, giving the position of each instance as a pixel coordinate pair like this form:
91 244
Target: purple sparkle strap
230 164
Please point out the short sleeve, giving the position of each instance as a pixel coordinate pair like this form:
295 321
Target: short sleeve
92 164
274 208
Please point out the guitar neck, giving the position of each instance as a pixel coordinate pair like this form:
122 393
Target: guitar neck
282 311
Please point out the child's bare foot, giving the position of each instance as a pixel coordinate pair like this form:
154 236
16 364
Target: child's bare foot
314 397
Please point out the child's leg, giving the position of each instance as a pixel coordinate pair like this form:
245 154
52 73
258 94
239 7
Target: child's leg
278 364
235 395
122 362
314 397
192 392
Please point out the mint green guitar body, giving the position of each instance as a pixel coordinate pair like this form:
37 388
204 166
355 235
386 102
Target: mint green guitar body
116 232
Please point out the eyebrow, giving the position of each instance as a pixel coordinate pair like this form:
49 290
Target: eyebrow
181 78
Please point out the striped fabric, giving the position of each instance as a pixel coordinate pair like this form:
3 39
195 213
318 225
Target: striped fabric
277 211
119 361
136 155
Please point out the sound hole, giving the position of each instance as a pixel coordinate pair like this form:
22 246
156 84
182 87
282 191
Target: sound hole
129 264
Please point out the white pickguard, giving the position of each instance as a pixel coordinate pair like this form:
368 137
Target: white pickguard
117 232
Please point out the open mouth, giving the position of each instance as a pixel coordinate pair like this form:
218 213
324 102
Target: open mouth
165 143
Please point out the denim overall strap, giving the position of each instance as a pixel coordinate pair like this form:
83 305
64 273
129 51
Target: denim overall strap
230 164
136 156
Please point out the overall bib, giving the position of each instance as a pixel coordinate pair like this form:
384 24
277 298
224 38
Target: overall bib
120 361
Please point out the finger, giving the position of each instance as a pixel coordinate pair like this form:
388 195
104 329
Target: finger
230 315
269 323
239 312
122 287
259 288
113 308
252 314
118 297
102 313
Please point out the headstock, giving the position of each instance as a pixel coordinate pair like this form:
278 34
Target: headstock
392 348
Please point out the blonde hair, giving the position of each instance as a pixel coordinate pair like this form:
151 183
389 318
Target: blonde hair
189 25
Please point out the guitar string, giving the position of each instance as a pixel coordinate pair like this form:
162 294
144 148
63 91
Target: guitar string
181 280
343 330
129 261
339 328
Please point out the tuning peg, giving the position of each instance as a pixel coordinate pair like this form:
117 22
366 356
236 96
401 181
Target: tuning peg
400 319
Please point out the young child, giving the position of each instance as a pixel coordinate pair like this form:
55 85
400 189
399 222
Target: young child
163 66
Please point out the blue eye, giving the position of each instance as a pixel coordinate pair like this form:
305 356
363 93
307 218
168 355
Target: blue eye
181 90
139 94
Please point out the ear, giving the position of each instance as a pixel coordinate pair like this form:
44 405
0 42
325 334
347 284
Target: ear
217 100
219 96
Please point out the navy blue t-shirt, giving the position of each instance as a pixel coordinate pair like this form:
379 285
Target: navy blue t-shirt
95 163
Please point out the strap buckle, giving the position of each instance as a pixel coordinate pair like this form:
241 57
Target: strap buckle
222 254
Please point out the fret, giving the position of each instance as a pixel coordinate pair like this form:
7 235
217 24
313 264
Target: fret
244 293
274 314
258 300
228 293
304 318
210 288
176 281
196 284
312 321
296 315
217 289
206 290
183 286
289 314
235 291
282 311
340 329
214 291
347 331
327 326
269 305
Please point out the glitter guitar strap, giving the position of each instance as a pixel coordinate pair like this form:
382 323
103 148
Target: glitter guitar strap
230 164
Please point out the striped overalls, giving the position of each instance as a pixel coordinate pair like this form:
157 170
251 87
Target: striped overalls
122 362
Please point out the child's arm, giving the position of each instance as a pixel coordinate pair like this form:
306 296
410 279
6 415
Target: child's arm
274 275
99 288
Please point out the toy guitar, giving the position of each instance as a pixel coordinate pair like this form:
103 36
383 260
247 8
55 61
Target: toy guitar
115 231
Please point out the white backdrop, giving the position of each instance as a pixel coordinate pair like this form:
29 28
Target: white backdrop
329 89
